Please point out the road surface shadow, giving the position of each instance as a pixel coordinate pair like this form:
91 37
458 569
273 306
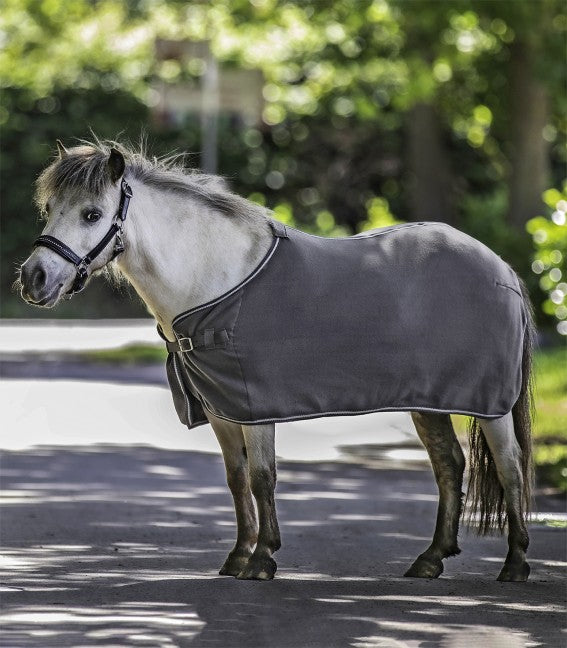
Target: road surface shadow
113 545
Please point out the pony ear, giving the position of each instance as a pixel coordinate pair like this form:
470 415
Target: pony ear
116 164
63 152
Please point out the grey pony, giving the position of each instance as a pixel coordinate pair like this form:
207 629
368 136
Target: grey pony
265 323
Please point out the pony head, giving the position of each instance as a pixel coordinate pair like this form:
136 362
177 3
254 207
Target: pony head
78 195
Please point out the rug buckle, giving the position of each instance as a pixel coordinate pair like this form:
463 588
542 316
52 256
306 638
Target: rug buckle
185 348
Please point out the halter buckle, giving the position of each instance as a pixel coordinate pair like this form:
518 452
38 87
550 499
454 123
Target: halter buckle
118 244
126 189
80 279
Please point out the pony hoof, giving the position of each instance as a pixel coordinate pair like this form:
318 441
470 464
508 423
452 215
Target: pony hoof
258 569
423 568
234 564
514 573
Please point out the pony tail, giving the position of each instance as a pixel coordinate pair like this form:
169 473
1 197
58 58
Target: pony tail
485 495
522 412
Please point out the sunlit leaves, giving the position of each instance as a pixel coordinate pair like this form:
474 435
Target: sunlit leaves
378 215
550 259
72 43
330 57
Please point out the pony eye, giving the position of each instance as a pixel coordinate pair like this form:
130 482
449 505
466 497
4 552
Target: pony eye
92 216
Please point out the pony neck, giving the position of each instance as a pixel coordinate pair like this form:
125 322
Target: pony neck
179 253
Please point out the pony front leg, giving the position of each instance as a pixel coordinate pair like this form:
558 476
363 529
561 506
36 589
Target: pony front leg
233 448
437 435
260 448
506 452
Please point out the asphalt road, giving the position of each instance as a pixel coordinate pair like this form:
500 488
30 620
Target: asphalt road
119 545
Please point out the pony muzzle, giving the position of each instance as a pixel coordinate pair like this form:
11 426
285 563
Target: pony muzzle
40 286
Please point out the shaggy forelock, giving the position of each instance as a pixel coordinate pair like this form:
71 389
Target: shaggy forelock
85 169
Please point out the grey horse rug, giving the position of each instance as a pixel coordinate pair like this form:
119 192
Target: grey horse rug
411 317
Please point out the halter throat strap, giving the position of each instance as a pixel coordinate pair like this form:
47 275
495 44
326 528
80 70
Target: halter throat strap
82 263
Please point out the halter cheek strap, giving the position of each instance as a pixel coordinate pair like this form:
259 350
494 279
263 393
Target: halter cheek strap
82 264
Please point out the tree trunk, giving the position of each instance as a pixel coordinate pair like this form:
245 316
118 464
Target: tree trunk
430 186
529 155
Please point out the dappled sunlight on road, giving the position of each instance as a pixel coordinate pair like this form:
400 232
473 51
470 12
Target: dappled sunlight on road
136 623
460 635
121 521
107 545
463 601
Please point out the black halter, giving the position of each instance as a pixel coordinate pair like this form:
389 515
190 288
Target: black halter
115 231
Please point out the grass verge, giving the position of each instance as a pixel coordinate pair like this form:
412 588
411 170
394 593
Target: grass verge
133 354
550 425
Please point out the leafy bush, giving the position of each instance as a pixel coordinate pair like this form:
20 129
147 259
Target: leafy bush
378 215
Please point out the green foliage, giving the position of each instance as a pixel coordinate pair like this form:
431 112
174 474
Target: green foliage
73 43
550 259
551 395
379 215
551 461
341 79
483 216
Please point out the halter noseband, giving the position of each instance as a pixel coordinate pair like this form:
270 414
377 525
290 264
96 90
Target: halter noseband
115 231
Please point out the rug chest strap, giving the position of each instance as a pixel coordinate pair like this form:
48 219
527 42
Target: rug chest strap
208 339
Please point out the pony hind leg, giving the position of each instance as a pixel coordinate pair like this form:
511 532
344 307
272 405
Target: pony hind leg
448 462
507 455
260 446
233 448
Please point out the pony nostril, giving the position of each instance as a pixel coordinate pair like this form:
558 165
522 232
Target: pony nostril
26 275
39 278
33 278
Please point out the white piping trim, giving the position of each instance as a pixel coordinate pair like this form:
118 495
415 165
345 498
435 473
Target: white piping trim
305 417
182 387
382 231
216 301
